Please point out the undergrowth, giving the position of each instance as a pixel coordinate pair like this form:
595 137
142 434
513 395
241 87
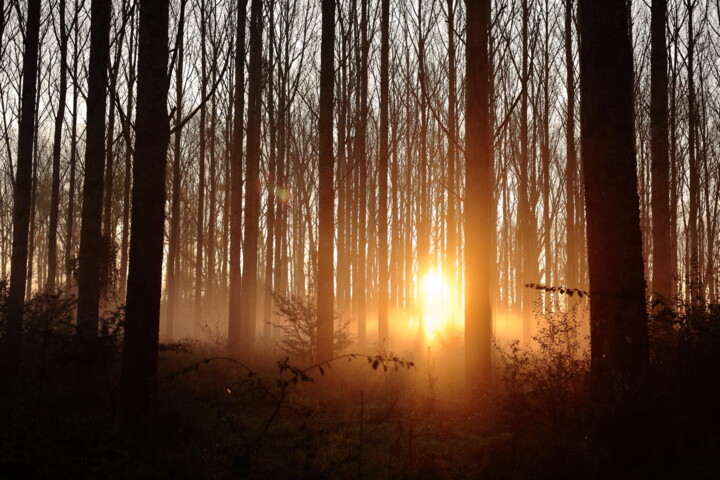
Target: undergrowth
370 415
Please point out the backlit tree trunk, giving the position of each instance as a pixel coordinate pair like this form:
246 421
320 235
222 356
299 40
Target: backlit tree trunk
326 205
480 179
23 186
138 382
619 336
90 231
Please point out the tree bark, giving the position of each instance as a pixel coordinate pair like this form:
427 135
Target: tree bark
138 382
659 135
618 320
479 215
23 186
57 144
235 330
174 244
252 181
383 327
326 194
90 232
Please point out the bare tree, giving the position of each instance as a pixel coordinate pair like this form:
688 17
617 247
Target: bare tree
90 233
619 336
23 186
235 327
326 204
138 386
479 179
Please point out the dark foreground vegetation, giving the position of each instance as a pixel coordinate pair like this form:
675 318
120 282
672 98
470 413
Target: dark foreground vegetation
358 416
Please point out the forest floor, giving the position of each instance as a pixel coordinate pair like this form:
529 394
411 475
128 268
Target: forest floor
358 419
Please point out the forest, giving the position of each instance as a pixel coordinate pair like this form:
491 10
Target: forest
319 239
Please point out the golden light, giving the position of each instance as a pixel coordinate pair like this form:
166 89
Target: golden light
438 301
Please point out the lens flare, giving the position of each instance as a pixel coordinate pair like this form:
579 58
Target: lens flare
283 194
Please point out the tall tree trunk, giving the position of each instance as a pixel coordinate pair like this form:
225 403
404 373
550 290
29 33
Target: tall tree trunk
571 275
326 194
33 199
619 335
127 128
479 215
659 134
90 233
173 248
57 145
451 250
212 191
383 327
252 181
545 157
526 216
70 219
200 225
271 187
235 327
695 281
138 382
362 165
23 186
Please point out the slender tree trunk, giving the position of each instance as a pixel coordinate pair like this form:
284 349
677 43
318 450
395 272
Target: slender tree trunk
57 145
70 221
127 127
571 278
272 177
212 193
138 382
479 216
33 199
526 216
173 248
545 154
695 281
326 204
362 166
23 186
252 181
90 233
659 132
200 245
383 327
451 250
235 327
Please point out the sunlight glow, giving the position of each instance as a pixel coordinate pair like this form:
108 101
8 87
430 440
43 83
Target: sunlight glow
439 305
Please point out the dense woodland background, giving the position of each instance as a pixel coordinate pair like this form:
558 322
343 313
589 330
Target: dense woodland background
253 179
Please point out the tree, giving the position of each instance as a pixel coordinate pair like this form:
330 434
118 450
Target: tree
694 281
235 330
618 320
174 244
138 383
383 333
23 186
326 204
659 131
252 181
57 143
90 233
571 277
479 179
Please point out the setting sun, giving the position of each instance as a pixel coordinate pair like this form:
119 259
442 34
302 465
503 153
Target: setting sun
438 304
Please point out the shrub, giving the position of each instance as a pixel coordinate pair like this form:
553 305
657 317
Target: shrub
300 326
545 387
